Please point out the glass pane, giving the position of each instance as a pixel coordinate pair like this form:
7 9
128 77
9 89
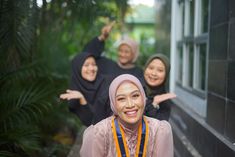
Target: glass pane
180 64
183 14
204 18
191 61
191 17
202 66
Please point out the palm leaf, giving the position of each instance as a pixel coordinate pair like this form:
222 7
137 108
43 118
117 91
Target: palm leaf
4 153
24 138
28 106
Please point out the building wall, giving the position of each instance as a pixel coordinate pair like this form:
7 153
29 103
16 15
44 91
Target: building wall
221 73
212 135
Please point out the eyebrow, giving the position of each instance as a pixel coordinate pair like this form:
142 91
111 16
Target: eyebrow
137 90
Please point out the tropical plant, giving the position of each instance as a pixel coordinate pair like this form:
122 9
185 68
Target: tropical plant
36 44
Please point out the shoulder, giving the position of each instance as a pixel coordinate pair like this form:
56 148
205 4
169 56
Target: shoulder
95 139
98 131
101 128
159 125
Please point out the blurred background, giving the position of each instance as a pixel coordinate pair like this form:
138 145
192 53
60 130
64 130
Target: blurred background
38 39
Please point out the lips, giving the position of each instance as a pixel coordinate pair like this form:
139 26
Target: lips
92 73
152 79
131 113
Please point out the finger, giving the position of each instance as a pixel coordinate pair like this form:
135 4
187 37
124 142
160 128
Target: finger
112 23
172 95
68 90
62 96
110 26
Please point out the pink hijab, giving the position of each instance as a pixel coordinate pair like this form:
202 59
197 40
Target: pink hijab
117 82
133 45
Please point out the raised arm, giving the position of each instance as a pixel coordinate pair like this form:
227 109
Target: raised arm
96 45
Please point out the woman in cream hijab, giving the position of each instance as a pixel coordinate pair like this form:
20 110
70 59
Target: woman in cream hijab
128 133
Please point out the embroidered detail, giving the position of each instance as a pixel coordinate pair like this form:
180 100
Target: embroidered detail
120 139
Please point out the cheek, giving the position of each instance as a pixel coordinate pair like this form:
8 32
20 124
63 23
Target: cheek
163 76
119 52
96 68
147 72
139 102
83 71
119 106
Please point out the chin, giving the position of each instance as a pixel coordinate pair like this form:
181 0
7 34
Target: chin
132 120
123 62
91 79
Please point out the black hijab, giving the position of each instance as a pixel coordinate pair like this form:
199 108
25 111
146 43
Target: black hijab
93 91
164 112
89 89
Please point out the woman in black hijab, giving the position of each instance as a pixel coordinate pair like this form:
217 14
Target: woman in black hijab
156 73
87 89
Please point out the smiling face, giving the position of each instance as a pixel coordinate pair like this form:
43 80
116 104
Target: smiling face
125 54
89 69
155 73
129 103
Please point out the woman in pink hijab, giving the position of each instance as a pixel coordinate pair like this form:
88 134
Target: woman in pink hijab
127 133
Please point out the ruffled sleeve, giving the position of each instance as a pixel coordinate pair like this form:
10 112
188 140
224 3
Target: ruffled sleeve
163 146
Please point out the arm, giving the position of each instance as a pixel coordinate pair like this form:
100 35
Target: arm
164 141
78 105
93 144
96 45
163 97
73 94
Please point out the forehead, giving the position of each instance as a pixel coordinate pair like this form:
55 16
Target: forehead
124 45
126 88
89 59
157 62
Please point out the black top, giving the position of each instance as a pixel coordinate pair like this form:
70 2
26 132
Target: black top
163 113
93 92
108 66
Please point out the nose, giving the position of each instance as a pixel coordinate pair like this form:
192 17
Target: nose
121 53
130 103
154 73
91 67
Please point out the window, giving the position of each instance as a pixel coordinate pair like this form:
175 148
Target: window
189 52
192 45
204 16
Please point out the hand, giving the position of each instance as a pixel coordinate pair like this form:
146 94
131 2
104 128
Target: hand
73 94
163 97
106 30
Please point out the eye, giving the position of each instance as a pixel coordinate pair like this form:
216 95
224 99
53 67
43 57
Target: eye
160 70
120 99
136 95
150 67
85 65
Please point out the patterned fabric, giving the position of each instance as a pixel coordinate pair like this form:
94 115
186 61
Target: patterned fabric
98 140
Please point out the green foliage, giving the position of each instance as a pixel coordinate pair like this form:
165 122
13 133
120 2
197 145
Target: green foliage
163 26
146 49
36 45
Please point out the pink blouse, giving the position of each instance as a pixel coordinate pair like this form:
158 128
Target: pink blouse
98 140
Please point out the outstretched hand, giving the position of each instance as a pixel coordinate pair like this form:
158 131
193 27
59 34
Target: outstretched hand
106 30
73 94
163 97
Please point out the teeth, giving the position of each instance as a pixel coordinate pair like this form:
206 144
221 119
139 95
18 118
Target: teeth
130 112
